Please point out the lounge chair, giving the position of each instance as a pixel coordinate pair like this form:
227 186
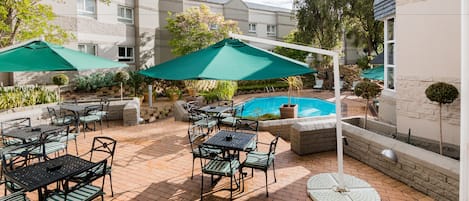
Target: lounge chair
318 84
354 83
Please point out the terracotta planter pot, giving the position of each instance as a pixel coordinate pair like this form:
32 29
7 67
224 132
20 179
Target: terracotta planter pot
191 92
288 111
173 97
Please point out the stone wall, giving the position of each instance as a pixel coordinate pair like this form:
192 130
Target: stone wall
428 172
414 111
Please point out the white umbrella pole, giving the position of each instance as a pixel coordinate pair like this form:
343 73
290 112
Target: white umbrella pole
338 115
464 162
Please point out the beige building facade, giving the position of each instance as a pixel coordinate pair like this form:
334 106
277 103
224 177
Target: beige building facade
422 46
133 31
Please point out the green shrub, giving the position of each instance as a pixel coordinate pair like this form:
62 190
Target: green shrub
20 96
442 93
363 62
209 96
60 79
262 86
121 76
95 81
225 90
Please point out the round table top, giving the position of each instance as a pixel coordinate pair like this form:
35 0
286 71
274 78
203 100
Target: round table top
322 187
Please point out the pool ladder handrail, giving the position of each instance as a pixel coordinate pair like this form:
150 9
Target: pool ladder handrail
269 89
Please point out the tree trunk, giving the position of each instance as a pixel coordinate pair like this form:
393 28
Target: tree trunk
441 134
366 114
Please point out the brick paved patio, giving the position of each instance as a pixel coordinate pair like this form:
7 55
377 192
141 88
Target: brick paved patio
153 162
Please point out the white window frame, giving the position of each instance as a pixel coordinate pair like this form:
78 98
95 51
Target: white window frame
387 42
272 31
125 19
87 46
86 12
252 28
126 58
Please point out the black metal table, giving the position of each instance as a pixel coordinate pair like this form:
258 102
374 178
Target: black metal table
28 133
214 109
39 175
239 141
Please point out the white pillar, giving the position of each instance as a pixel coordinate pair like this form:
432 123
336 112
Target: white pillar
338 114
150 95
464 165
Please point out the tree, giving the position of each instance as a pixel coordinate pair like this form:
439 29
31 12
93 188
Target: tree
26 19
197 28
367 90
362 26
442 93
292 37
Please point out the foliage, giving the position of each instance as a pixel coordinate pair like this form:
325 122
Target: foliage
363 28
191 30
225 89
121 76
292 37
294 82
209 96
441 92
95 81
137 82
20 96
22 20
367 90
364 62
262 86
60 79
264 117
172 90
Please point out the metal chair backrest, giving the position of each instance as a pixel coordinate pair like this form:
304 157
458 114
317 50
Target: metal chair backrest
248 125
273 146
51 136
105 104
17 157
89 175
92 109
106 145
195 133
15 124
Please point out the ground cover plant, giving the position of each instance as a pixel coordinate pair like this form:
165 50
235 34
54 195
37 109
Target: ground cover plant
20 96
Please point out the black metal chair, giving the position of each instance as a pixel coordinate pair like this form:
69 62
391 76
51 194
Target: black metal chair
103 148
17 196
203 120
52 141
196 135
262 161
60 118
83 190
249 126
12 124
90 116
218 164
104 110
15 158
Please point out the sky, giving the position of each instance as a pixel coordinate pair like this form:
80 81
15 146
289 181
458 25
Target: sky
279 3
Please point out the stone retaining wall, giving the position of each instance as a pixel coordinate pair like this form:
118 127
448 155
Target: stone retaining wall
429 172
313 136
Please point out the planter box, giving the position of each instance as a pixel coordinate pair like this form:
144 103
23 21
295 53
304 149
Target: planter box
433 174
288 111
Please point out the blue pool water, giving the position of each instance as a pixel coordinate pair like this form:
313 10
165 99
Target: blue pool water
307 107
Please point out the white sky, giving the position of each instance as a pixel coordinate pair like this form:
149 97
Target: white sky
279 3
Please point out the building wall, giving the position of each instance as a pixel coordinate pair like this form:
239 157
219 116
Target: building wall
427 51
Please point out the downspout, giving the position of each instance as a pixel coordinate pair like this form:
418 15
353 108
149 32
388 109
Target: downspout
137 34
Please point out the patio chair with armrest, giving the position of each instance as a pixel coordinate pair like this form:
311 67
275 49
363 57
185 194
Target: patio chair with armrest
262 161
226 103
219 165
83 190
17 196
103 148
52 141
231 120
90 116
103 112
203 120
318 84
15 158
196 135
60 118
249 126
12 124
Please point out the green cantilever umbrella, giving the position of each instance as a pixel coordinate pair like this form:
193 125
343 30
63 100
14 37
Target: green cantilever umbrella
376 73
229 59
42 56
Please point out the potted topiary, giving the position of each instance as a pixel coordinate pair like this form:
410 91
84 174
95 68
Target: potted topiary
60 80
442 93
367 90
173 93
121 77
191 87
291 110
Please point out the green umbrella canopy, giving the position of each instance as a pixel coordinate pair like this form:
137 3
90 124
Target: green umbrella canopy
42 56
376 73
229 59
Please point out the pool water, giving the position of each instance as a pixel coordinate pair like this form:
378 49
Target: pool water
307 107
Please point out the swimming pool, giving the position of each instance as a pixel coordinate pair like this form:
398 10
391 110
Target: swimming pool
307 107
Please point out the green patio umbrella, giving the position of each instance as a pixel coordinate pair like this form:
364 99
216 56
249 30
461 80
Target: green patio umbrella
42 56
376 73
229 59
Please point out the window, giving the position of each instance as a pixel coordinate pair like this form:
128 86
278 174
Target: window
252 28
213 27
271 30
86 7
126 54
389 54
125 14
88 48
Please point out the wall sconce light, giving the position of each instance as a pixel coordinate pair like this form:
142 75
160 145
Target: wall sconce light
389 154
